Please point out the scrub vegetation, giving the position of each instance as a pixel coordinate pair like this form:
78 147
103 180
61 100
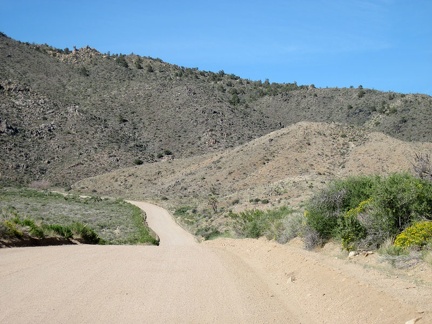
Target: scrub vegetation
83 113
42 214
367 212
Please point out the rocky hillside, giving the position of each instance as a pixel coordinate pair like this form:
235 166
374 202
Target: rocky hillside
66 115
280 168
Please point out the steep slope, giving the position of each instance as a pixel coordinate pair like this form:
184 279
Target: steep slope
67 115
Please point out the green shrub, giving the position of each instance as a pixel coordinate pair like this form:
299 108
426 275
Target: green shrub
37 231
12 229
87 234
253 229
34 229
63 231
350 230
138 162
324 212
183 210
208 232
138 63
235 100
400 200
121 60
366 211
417 235
256 223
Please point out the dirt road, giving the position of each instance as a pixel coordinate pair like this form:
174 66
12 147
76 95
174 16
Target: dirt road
182 281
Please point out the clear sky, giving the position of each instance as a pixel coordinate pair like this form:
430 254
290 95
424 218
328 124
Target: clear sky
380 44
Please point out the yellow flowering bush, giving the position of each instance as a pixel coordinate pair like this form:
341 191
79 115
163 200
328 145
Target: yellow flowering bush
350 230
417 235
354 212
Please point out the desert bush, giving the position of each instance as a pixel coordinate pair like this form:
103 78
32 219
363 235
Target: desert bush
417 235
88 235
311 238
247 223
199 223
388 248
34 230
15 226
253 229
366 211
4 230
184 210
235 201
121 60
291 227
10 229
399 257
350 229
422 166
63 231
235 100
324 211
138 162
138 63
399 200
256 223
208 232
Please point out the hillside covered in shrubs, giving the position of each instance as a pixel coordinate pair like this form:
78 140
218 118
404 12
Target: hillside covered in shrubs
68 114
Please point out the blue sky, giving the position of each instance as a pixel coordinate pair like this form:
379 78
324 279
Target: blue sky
380 44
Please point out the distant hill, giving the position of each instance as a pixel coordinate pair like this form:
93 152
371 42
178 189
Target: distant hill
281 168
66 115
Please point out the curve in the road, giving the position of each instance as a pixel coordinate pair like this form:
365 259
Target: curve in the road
162 223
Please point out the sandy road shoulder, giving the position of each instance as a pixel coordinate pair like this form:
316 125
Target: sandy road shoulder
328 290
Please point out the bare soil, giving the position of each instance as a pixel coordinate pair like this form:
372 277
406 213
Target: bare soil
182 281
